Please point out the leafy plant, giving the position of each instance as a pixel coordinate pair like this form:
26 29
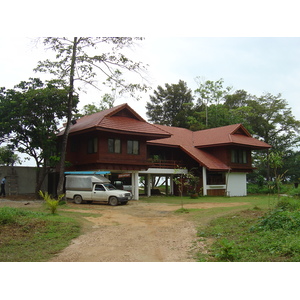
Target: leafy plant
227 250
51 203
279 219
288 203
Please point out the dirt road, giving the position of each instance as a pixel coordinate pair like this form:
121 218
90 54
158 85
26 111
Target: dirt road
136 232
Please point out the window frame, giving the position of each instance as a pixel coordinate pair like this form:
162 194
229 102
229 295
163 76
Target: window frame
92 145
114 146
239 156
133 147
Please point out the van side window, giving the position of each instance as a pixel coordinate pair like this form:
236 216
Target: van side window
99 187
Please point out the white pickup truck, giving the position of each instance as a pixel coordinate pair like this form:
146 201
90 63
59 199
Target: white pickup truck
94 188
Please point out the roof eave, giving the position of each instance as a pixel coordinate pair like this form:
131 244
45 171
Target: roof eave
254 147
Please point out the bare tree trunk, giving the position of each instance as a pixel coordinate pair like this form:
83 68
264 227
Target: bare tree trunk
60 186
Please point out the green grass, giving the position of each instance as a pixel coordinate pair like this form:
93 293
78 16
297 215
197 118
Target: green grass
263 201
28 236
254 235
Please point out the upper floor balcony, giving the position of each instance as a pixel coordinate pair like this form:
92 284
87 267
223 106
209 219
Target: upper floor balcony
165 164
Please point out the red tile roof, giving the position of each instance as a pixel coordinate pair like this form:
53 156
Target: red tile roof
235 134
122 119
192 142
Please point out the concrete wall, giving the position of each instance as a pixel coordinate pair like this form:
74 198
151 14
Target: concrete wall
20 180
237 184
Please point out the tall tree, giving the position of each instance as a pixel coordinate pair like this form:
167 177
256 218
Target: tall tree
170 105
210 92
272 120
76 60
29 119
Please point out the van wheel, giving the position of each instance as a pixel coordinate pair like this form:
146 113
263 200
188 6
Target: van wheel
77 199
113 201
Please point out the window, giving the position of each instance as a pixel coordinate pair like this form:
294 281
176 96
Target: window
99 188
239 156
92 145
133 147
114 145
217 178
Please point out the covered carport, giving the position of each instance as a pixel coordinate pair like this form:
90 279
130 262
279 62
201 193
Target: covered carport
167 173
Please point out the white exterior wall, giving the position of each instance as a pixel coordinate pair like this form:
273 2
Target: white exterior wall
236 184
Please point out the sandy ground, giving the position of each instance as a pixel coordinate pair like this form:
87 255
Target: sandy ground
136 232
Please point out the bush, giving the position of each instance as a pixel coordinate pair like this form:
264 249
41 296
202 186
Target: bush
257 189
295 192
288 203
227 250
279 219
51 203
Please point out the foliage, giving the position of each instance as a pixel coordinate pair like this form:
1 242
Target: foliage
227 250
255 234
106 102
288 203
279 219
210 92
29 118
170 105
295 192
51 203
8 157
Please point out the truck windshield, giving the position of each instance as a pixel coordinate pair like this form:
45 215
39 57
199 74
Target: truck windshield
109 186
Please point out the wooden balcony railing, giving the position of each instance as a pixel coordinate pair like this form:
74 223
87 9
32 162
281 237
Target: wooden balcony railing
166 164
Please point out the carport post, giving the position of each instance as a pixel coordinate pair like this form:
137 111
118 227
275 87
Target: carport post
204 181
135 185
149 183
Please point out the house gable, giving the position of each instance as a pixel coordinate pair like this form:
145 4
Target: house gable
231 135
121 119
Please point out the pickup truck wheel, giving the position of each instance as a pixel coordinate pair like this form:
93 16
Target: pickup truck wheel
78 199
113 201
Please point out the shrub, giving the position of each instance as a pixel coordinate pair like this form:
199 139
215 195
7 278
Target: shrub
227 250
51 203
288 203
279 219
295 192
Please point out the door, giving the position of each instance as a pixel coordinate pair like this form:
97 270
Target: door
99 193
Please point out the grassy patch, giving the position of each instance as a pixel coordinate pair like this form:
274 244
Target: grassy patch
254 235
33 236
